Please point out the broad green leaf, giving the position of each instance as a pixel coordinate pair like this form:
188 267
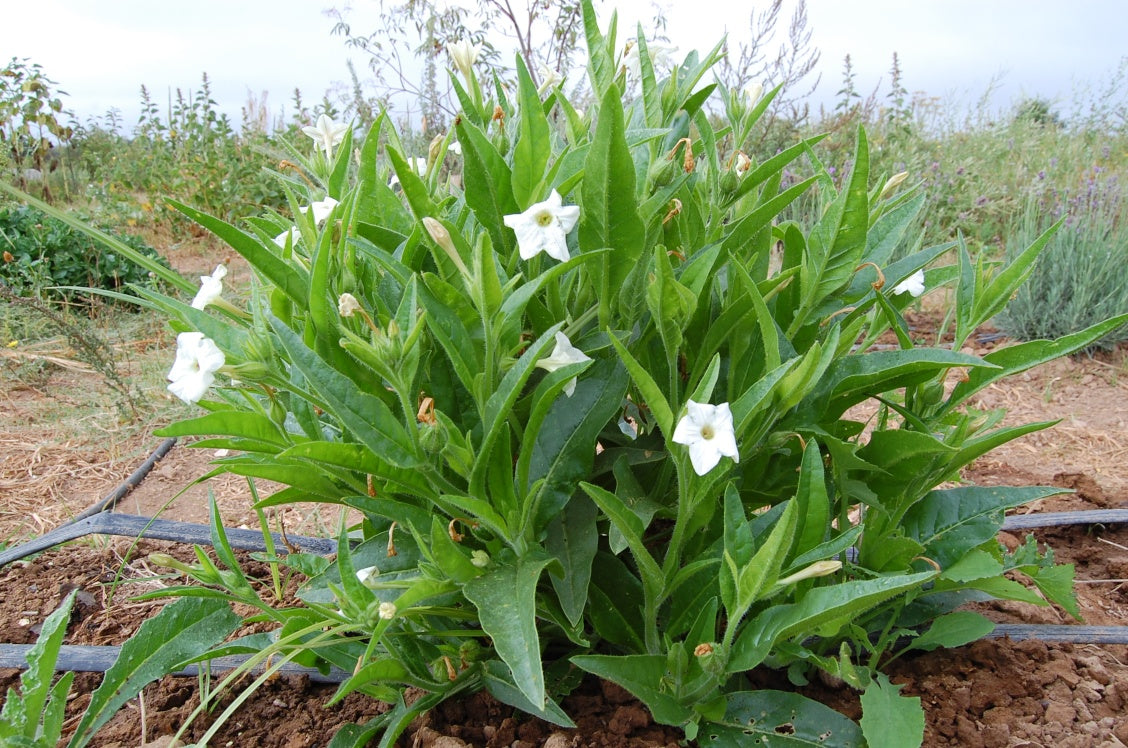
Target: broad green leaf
506 601
890 720
181 631
601 62
616 602
1056 583
838 242
246 424
534 142
852 379
652 397
1015 359
818 606
499 682
489 190
950 522
642 675
573 540
811 496
954 630
778 718
609 209
279 272
559 445
414 189
631 528
363 414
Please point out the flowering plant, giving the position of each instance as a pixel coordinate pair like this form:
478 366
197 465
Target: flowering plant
588 421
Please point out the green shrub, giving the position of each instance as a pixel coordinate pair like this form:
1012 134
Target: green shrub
1079 279
43 256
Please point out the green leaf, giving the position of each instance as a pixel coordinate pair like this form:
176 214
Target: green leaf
534 142
670 303
818 606
22 711
488 185
615 604
950 522
852 379
778 718
652 396
573 540
506 601
890 720
609 216
1015 359
499 682
813 501
279 272
242 423
954 630
838 242
560 448
1056 583
182 631
643 676
363 414
631 527
414 189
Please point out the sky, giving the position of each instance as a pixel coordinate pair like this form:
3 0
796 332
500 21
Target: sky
101 51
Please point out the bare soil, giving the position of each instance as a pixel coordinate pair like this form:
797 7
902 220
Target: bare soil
990 693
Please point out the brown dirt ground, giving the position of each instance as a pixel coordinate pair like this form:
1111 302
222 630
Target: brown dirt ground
991 693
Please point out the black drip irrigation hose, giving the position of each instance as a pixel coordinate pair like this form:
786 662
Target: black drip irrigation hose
131 482
1059 519
99 659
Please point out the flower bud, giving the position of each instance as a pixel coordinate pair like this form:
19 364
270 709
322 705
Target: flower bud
662 172
248 371
480 558
892 183
729 182
387 611
817 569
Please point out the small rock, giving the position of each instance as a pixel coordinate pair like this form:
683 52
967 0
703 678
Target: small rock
558 740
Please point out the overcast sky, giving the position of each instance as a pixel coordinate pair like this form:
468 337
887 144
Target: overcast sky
102 51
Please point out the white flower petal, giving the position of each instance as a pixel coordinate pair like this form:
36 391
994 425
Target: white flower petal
708 432
193 371
544 227
914 285
211 287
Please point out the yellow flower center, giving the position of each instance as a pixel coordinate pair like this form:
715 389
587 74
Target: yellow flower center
544 218
707 432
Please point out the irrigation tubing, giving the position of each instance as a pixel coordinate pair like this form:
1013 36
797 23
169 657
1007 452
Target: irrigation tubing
99 659
131 525
129 483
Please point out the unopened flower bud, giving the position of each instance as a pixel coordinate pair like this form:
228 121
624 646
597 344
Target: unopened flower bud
662 172
754 92
892 183
480 558
817 569
729 182
387 611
